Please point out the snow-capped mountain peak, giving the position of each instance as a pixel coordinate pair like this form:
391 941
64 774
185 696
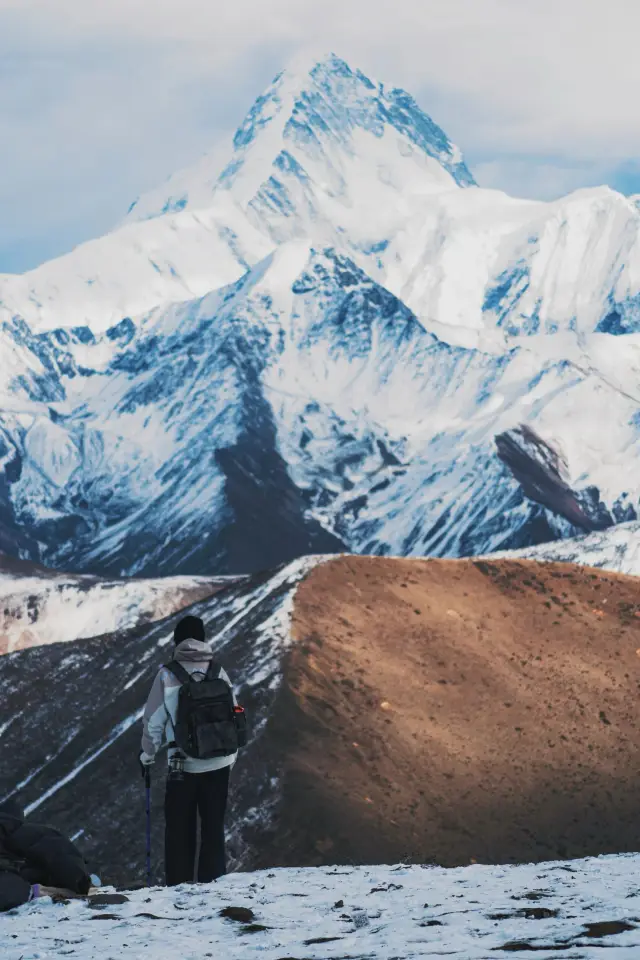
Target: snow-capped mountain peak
297 157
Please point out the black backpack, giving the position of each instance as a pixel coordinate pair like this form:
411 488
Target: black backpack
208 724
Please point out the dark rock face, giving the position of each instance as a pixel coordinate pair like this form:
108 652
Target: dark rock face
268 522
539 469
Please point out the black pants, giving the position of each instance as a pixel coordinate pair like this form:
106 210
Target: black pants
206 794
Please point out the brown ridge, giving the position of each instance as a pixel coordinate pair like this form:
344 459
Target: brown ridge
451 711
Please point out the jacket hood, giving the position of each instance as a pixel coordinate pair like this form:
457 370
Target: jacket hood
193 651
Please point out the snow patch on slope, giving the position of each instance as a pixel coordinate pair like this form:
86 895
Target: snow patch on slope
37 610
113 736
274 634
616 549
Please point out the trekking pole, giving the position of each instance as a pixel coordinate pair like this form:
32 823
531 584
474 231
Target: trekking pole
147 786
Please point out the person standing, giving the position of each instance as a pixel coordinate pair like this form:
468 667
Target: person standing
202 727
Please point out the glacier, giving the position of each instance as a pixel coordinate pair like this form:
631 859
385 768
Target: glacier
335 340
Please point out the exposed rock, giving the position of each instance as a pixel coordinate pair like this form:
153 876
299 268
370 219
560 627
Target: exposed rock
541 470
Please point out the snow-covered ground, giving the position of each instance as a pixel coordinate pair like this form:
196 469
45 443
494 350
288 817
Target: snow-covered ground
615 549
569 909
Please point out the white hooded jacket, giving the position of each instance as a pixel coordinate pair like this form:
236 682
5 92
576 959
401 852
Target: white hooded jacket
162 706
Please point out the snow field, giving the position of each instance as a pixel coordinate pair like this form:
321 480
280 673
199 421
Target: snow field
573 909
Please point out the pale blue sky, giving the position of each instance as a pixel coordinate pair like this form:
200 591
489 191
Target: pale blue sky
100 101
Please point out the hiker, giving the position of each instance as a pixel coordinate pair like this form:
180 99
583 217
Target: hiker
199 762
37 861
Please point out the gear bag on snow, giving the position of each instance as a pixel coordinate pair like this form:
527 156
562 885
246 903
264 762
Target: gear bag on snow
208 724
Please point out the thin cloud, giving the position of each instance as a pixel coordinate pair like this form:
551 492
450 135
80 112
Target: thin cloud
551 70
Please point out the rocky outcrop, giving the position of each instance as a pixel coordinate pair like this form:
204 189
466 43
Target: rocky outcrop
541 471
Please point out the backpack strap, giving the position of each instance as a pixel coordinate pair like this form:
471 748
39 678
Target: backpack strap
213 671
178 671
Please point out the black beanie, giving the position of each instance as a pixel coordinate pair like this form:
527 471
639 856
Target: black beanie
189 628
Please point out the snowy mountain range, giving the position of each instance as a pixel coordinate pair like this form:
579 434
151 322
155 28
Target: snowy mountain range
335 341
